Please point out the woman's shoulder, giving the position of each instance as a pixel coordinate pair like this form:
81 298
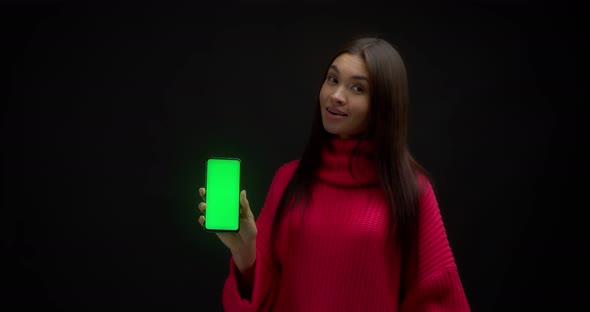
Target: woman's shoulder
287 169
290 165
283 175
425 184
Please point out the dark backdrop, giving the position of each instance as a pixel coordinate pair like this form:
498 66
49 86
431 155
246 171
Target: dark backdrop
112 109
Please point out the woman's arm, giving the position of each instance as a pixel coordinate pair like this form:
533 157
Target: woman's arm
432 280
253 288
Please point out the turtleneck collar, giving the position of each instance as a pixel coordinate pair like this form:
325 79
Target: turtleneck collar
336 156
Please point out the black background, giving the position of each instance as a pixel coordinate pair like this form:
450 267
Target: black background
112 109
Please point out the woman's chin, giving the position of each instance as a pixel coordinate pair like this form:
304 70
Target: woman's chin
337 133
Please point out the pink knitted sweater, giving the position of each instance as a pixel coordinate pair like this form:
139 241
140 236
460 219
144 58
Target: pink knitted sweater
335 256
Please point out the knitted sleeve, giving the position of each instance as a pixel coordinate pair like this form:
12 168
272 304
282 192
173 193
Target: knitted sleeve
254 292
432 282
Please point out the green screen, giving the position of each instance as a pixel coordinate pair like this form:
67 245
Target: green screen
223 195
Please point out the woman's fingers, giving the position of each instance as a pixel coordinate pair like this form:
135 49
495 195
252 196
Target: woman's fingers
202 192
202 220
202 205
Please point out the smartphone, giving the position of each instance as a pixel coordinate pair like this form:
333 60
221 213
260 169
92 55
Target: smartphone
223 194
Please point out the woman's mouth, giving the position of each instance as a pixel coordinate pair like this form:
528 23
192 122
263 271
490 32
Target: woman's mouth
335 113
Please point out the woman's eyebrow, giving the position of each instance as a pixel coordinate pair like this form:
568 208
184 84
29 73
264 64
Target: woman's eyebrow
357 77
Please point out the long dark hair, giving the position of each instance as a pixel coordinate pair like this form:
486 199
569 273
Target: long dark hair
387 131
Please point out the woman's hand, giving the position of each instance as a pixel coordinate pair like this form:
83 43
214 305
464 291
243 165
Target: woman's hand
242 244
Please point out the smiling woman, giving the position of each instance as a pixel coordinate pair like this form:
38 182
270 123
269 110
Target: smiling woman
345 97
354 225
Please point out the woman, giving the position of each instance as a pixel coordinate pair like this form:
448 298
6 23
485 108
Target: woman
354 225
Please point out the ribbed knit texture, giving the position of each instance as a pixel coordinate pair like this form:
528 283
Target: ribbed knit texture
334 254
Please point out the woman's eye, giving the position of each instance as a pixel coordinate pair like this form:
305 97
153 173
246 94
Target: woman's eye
332 80
358 89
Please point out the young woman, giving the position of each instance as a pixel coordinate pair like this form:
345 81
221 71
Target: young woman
354 224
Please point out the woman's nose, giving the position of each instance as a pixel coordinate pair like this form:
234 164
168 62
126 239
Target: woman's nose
338 95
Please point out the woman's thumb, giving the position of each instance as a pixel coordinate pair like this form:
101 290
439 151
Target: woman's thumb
244 199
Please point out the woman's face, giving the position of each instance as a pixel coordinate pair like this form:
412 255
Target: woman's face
345 97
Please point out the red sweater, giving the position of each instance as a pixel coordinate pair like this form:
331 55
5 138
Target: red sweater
335 256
